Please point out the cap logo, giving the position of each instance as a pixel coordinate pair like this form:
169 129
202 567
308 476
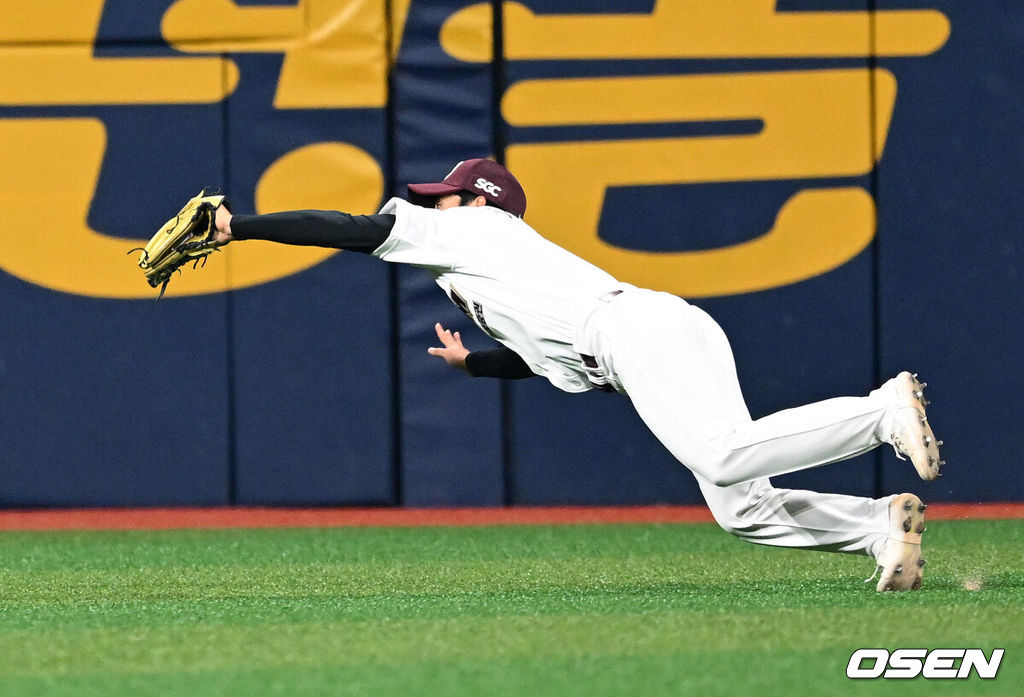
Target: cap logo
489 187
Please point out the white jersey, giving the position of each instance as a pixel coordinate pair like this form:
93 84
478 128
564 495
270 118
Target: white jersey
524 291
673 361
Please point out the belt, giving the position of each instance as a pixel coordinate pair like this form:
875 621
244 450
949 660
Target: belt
594 374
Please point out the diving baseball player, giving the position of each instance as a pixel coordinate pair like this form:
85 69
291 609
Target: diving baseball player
559 317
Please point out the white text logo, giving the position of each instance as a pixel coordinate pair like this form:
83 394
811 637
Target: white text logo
489 187
934 664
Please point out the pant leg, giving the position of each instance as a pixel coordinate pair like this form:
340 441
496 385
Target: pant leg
758 512
676 365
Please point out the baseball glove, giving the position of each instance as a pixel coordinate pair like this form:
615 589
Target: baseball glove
187 237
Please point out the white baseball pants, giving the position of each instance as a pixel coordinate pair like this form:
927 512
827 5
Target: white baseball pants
675 364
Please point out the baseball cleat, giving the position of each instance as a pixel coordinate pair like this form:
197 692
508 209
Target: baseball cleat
900 562
912 435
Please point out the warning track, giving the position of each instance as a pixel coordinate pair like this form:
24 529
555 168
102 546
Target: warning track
238 517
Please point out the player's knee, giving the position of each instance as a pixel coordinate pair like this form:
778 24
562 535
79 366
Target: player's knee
732 522
738 522
729 524
721 477
739 510
724 469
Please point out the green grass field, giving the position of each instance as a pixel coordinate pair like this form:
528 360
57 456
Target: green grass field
561 610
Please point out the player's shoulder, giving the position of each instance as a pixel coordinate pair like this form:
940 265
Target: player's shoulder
493 216
482 221
395 205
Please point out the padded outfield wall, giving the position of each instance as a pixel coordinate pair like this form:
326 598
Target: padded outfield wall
838 183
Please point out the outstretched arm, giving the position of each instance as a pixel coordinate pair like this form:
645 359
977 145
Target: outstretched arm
356 233
496 363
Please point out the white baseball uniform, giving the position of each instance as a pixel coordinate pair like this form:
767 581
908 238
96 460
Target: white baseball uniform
580 328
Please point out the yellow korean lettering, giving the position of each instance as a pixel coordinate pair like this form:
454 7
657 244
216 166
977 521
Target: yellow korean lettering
334 50
66 71
45 199
694 29
816 124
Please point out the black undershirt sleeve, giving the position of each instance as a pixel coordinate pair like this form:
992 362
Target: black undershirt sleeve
498 363
355 233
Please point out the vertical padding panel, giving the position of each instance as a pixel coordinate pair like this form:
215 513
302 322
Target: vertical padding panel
589 449
951 251
313 408
451 441
746 191
451 424
108 396
111 402
311 326
307 129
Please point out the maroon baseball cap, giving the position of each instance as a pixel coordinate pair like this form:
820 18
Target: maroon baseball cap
484 177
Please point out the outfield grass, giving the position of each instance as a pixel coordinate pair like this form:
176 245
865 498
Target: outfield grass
566 610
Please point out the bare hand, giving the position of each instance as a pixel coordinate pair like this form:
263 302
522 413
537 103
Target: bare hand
453 353
222 221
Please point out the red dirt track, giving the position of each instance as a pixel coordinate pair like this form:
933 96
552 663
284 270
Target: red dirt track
179 518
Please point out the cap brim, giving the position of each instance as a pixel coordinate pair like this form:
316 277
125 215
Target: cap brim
440 189
427 194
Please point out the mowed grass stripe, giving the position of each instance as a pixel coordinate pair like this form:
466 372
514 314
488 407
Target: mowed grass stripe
445 610
201 647
768 674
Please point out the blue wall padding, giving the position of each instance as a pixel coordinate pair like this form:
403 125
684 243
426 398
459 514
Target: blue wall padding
317 389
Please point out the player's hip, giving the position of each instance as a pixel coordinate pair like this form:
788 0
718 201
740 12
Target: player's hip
650 328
